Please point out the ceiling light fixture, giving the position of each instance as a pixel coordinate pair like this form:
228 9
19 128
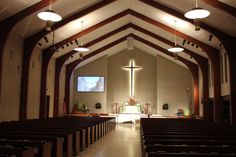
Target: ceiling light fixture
80 47
49 16
176 48
197 13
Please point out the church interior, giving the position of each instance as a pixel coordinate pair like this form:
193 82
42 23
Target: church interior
73 73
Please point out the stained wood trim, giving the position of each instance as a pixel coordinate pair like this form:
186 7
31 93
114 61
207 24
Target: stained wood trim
29 44
151 21
6 26
61 60
48 53
212 53
203 63
201 60
222 6
70 67
192 67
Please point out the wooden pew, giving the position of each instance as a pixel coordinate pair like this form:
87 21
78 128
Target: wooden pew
57 142
43 148
67 144
84 130
18 152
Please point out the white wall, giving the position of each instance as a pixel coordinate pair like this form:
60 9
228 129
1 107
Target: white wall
160 81
119 81
34 84
200 92
225 89
50 85
11 78
172 82
62 89
97 67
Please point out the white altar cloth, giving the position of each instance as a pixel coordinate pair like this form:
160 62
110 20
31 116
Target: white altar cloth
124 117
131 109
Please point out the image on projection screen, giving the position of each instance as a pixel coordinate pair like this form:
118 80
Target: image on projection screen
90 84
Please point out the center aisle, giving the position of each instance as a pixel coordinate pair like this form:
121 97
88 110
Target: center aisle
124 141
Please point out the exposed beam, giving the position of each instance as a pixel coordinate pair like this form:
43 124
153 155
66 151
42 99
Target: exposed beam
6 26
222 6
47 53
229 44
200 60
71 66
124 13
29 44
192 67
61 60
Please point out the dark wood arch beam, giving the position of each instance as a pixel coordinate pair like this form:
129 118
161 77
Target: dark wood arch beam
7 25
61 60
222 6
229 44
29 44
47 54
70 67
201 61
124 13
213 55
128 11
192 67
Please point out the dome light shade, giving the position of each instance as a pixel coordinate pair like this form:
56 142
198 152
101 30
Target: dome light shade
49 15
81 49
197 13
175 49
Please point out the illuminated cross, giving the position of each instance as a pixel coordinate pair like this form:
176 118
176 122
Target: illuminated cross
132 69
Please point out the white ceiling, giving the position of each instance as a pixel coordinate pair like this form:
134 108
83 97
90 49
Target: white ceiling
31 24
11 7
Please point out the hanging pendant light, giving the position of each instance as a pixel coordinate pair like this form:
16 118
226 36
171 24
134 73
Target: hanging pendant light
80 47
197 13
175 48
49 16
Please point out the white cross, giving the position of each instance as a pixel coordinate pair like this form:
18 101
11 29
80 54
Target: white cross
132 68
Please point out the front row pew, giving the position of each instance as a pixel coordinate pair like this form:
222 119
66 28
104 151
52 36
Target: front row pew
43 147
17 152
57 142
66 134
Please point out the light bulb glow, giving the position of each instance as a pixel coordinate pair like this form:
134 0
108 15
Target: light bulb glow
197 13
81 49
175 49
49 15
